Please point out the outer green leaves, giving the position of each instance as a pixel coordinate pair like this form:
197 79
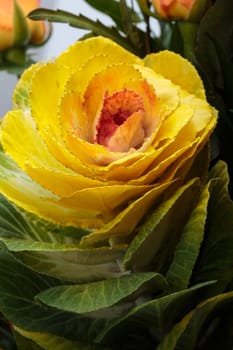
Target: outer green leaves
156 238
189 237
101 296
47 341
52 249
216 259
19 285
69 262
185 334
187 250
156 315
24 343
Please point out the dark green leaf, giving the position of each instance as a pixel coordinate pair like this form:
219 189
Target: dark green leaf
80 21
216 259
188 248
214 52
128 22
186 334
217 24
111 8
24 343
227 72
151 319
45 341
103 297
153 246
18 287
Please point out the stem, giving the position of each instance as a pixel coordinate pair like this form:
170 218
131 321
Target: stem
147 34
188 32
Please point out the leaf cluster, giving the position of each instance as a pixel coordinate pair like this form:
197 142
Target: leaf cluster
170 288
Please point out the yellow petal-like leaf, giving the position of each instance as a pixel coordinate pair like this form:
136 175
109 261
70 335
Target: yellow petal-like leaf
202 111
47 86
110 80
19 188
108 200
177 69
73 118
163 166
129 135
124 223
21 97
81 77
20 138
77 55
166 91
24 144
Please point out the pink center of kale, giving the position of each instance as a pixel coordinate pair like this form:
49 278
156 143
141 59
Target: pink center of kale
117 108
